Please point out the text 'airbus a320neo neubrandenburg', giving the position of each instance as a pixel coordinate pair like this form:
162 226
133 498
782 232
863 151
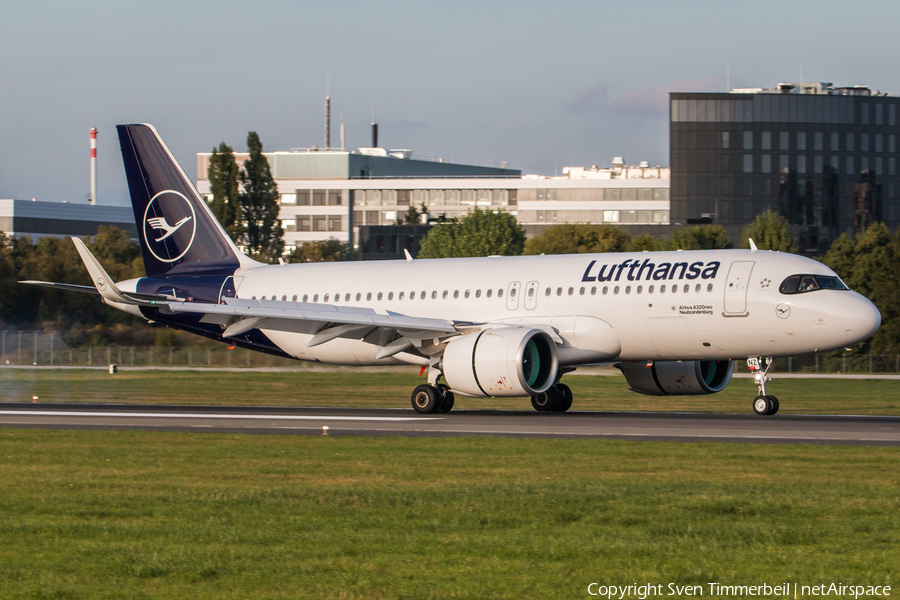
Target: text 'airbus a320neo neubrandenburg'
495 326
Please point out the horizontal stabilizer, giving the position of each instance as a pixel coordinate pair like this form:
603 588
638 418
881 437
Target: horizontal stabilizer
69 287
103 283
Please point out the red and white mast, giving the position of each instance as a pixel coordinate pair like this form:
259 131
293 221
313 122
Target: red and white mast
93 198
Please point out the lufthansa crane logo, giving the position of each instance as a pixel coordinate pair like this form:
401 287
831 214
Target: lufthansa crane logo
169 225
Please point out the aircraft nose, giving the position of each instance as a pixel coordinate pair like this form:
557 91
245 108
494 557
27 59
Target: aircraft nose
861 318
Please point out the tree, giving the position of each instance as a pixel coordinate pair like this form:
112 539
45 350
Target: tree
769 231
259 205
319 251
7 277
699 237
223 176
412 216
480 233
868 265
646 243
578 239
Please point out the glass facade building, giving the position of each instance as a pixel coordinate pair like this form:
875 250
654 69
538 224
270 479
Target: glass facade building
823 157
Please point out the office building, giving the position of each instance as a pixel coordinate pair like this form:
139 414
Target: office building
19 218
825 157
318 187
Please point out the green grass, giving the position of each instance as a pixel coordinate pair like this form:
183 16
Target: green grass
392 388
164 515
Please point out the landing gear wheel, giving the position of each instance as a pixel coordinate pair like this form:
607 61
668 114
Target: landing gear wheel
564 398
425 399
446 397
762 405
545 401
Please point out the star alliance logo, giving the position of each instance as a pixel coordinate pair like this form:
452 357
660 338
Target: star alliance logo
169 226
765 282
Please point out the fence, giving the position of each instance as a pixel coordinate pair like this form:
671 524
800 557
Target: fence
49 349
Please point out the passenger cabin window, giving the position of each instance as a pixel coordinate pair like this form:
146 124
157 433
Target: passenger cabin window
500 293
799 284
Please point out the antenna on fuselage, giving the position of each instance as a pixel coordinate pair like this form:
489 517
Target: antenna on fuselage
753 247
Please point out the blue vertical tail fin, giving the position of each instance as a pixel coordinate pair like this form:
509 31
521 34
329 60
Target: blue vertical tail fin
179 234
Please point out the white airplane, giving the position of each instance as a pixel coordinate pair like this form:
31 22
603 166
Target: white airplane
674 322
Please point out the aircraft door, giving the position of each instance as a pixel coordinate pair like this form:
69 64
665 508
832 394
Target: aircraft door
531 294
736 288
512 296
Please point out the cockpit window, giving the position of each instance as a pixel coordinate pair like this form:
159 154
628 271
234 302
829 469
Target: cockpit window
799 284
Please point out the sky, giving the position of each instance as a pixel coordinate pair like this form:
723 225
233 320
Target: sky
538 85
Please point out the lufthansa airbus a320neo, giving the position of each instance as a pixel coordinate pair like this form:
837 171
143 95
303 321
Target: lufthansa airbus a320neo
674 322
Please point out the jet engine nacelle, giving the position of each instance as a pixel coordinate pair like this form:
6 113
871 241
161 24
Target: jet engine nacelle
507 361
678 378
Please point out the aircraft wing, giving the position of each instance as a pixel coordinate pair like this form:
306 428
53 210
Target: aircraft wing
394 332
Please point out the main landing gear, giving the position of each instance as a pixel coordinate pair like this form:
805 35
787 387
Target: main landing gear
762 404
437 398
557 398
427 399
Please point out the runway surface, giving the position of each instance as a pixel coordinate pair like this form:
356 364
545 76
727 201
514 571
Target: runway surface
735 428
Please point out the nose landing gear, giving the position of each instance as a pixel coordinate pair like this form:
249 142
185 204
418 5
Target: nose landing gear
763 404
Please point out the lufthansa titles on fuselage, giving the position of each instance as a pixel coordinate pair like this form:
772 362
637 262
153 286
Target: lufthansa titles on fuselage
635 270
